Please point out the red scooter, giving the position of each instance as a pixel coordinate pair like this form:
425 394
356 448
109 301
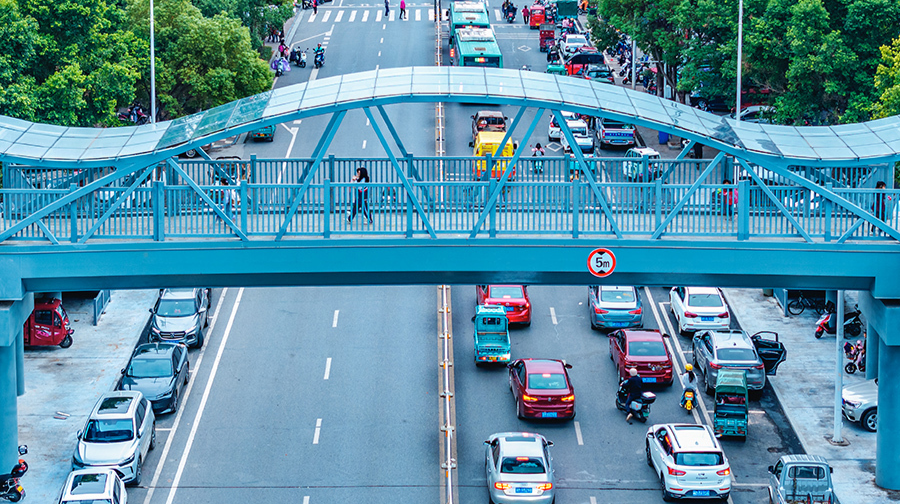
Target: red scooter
828 321
10 489
48 325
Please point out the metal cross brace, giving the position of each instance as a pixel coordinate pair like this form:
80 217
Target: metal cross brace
117 203
687 148
507 172
508 134
778 204
206 199
410 192
564 128
687 196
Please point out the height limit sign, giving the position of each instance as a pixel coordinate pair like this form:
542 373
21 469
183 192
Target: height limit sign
601 262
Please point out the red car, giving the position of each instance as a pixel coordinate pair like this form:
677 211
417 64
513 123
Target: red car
513 297
542 388
644 350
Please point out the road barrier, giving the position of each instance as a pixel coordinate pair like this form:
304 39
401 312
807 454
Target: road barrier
446 388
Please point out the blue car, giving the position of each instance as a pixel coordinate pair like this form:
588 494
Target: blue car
614 307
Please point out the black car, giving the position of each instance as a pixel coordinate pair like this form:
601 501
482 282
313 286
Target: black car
159 371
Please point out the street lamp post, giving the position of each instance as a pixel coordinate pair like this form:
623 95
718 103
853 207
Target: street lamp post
737 100
152 69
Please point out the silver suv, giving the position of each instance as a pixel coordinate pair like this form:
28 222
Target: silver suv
93 486
714 350
689 461
180 316
119 432
860 404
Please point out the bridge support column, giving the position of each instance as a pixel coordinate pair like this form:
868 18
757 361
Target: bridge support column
887 451
12 374
873 341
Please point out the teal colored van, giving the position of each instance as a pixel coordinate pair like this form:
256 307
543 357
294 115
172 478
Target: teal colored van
266 133
491 335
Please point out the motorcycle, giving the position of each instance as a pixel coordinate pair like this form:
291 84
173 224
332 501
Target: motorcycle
319 59
827 322
857 356
687 399
511 16
298 57
10 489
307 4
135 114
642 406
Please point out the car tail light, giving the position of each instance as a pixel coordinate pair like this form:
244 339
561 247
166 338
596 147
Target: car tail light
723 315
724 472
568 398
501 486
529 398
760 366
545 486
690 314
635 312
715 366
676 472
601 311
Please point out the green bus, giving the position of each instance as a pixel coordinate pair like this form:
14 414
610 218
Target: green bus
476 47
466 14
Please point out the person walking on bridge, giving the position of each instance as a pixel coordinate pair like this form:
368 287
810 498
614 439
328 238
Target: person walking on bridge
361 199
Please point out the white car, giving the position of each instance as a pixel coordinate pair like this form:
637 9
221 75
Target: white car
689 461
572 42
93 486
756 114
860 404
583 137
518 468
699 308
554 133
633 165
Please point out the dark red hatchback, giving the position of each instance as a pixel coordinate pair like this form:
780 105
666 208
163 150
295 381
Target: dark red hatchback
644 350
541 388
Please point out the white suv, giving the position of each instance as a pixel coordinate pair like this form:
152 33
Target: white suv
93 486
689 461
582 135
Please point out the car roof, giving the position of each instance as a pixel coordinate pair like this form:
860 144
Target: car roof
645 151
117 404
738 339
88 490
178 293
691 437
702 290
544 365
576 122
521 444
642 335
489 113
617 287
150 350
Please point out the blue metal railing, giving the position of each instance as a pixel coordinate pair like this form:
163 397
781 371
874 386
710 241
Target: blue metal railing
559 208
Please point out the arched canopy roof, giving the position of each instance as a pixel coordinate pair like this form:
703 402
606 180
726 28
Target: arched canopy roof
42 144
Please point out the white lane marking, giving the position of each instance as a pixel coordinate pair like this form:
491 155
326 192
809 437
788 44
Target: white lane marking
497 14
287 154
352 17
553 315
327 367
379 54
311 18
384 27
165 453
378 15
382 40
391 16
367 121
376 67
327 15
298 121
340 14
364 142
593 500
418 15
163 429
204 399
578 433
334 320
365 16
318 429
306 499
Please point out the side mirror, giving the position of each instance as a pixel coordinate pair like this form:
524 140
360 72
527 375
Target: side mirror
771 469
23 449
151 310
472 116
487 442
122 371
666 335
549 443
78 434
509 366
567 365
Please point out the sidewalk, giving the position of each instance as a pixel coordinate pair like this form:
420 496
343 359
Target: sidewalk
805 387
92 364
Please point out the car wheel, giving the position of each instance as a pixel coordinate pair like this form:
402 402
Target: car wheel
518 411
869 420
200 339
667 497
710 391
191 153
66 342
175 401
153 436
187 373
138 473
647 449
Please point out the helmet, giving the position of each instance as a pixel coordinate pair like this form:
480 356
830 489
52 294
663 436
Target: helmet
633 372
688 367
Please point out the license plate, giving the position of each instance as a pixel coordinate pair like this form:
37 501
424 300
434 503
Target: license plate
548 414
523 490
700 493
706 319
649 380
510 308
617 324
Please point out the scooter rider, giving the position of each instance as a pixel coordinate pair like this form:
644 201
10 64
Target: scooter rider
635 387
688 379
319 52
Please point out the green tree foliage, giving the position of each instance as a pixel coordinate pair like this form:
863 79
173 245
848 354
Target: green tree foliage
887 81
202 62
257 15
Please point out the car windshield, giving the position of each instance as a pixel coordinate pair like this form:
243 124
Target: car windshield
546 381
522 465
807 472
90 501
736 354
150 368
109 430
617 296
704 300
695 459
94 483
616 125
579 131
175 308
506 292
646 348
577 40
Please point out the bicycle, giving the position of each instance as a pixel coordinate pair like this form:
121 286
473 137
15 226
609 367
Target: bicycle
797 306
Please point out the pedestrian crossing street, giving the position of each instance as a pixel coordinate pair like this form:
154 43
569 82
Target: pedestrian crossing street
363 15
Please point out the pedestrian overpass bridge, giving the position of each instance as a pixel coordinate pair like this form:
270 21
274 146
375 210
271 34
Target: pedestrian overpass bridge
86 208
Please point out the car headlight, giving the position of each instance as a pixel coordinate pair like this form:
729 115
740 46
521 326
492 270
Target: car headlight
155 330
853 404
127 461
76 459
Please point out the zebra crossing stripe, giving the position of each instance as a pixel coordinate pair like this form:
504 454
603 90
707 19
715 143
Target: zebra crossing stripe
497 14
337 18
352 17
391 17
418 15
311 18
365 16
378 16
327 15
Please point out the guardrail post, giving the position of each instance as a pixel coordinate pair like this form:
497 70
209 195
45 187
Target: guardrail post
73 215
645 168
828 209
331 168
488 165
159 208
410 210
659 203
326 208
253 168
491 187
743 210
411 171
576 204
243 198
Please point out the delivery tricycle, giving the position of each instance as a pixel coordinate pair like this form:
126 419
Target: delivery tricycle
731 408
48 325
491 335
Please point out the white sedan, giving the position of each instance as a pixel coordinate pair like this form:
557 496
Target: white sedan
699 308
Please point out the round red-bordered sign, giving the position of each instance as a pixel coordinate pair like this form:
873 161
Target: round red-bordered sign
601 262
